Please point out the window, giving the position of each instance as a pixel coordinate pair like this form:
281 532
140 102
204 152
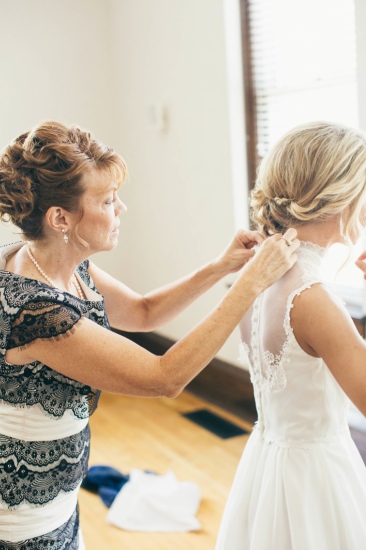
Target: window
302 64
299 61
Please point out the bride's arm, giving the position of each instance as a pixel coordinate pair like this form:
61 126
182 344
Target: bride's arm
324 328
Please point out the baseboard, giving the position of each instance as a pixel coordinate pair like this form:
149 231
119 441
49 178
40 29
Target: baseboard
220 383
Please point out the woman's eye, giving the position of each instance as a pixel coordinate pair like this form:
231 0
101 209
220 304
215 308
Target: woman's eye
112 199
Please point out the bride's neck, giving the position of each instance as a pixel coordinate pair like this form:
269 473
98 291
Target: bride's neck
323 233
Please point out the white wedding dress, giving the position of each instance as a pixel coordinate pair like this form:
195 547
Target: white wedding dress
301 482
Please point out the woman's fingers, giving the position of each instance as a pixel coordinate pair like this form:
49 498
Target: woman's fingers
278 252
250 238
362 256
361 264
289 240
290 234
239 251
275 257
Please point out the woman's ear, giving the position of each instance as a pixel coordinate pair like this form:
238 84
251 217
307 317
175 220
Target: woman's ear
58 219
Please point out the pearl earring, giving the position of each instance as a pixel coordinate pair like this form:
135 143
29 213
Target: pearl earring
66 238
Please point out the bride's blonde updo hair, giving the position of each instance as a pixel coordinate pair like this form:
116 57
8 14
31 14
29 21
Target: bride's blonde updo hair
44 168
313 173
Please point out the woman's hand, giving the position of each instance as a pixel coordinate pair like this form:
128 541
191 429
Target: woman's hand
239 251
273 258
361 264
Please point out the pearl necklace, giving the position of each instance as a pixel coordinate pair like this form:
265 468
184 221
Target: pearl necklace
49 280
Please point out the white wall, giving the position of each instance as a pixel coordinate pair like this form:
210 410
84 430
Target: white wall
56 62
360 9
103 64
179 197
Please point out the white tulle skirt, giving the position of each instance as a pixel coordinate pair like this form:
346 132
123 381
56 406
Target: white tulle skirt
296 498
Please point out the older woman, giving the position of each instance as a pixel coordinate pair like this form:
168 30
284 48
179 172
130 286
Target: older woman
59 186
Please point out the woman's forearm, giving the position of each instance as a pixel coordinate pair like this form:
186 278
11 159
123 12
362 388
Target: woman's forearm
132 312
102 359
188 356
183 361
164 304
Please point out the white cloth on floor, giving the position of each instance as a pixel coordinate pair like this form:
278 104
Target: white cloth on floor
156 503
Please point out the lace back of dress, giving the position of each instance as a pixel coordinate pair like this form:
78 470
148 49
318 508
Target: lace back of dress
265 329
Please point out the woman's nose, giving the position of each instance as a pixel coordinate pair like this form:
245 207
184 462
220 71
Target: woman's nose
121 207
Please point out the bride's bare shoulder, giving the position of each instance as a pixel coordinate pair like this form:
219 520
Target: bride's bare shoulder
317 295
319 312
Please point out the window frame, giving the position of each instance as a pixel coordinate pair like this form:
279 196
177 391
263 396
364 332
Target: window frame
250 105
353 297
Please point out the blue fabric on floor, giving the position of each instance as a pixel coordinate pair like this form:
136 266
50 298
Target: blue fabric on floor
106 481
107 495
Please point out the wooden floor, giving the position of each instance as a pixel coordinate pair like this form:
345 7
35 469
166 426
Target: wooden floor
151 434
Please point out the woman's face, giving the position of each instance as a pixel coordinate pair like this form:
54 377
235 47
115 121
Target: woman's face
101 208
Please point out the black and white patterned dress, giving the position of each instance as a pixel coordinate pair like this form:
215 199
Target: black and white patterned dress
44 416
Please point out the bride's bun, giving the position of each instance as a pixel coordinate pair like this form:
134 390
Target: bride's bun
313 173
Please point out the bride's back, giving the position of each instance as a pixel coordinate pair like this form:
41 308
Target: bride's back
298 400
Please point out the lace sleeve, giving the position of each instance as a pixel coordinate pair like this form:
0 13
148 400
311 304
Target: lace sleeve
42 319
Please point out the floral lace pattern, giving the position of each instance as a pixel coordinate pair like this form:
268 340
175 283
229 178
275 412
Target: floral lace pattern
30 309
37 471
42 319
309 257
36 384
332 439
83 271
65 537
276 374
271 376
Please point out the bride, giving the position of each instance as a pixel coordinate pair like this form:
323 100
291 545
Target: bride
301 483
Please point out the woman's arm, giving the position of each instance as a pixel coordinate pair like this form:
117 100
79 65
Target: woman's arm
104 360
130 311
324 328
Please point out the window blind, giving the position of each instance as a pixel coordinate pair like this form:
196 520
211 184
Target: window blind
303 64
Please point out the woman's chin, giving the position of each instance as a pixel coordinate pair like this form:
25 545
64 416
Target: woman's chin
113 242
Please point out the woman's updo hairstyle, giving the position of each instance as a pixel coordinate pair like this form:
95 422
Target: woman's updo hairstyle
313 173
44 168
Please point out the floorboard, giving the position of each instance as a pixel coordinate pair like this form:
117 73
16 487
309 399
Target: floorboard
152 434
